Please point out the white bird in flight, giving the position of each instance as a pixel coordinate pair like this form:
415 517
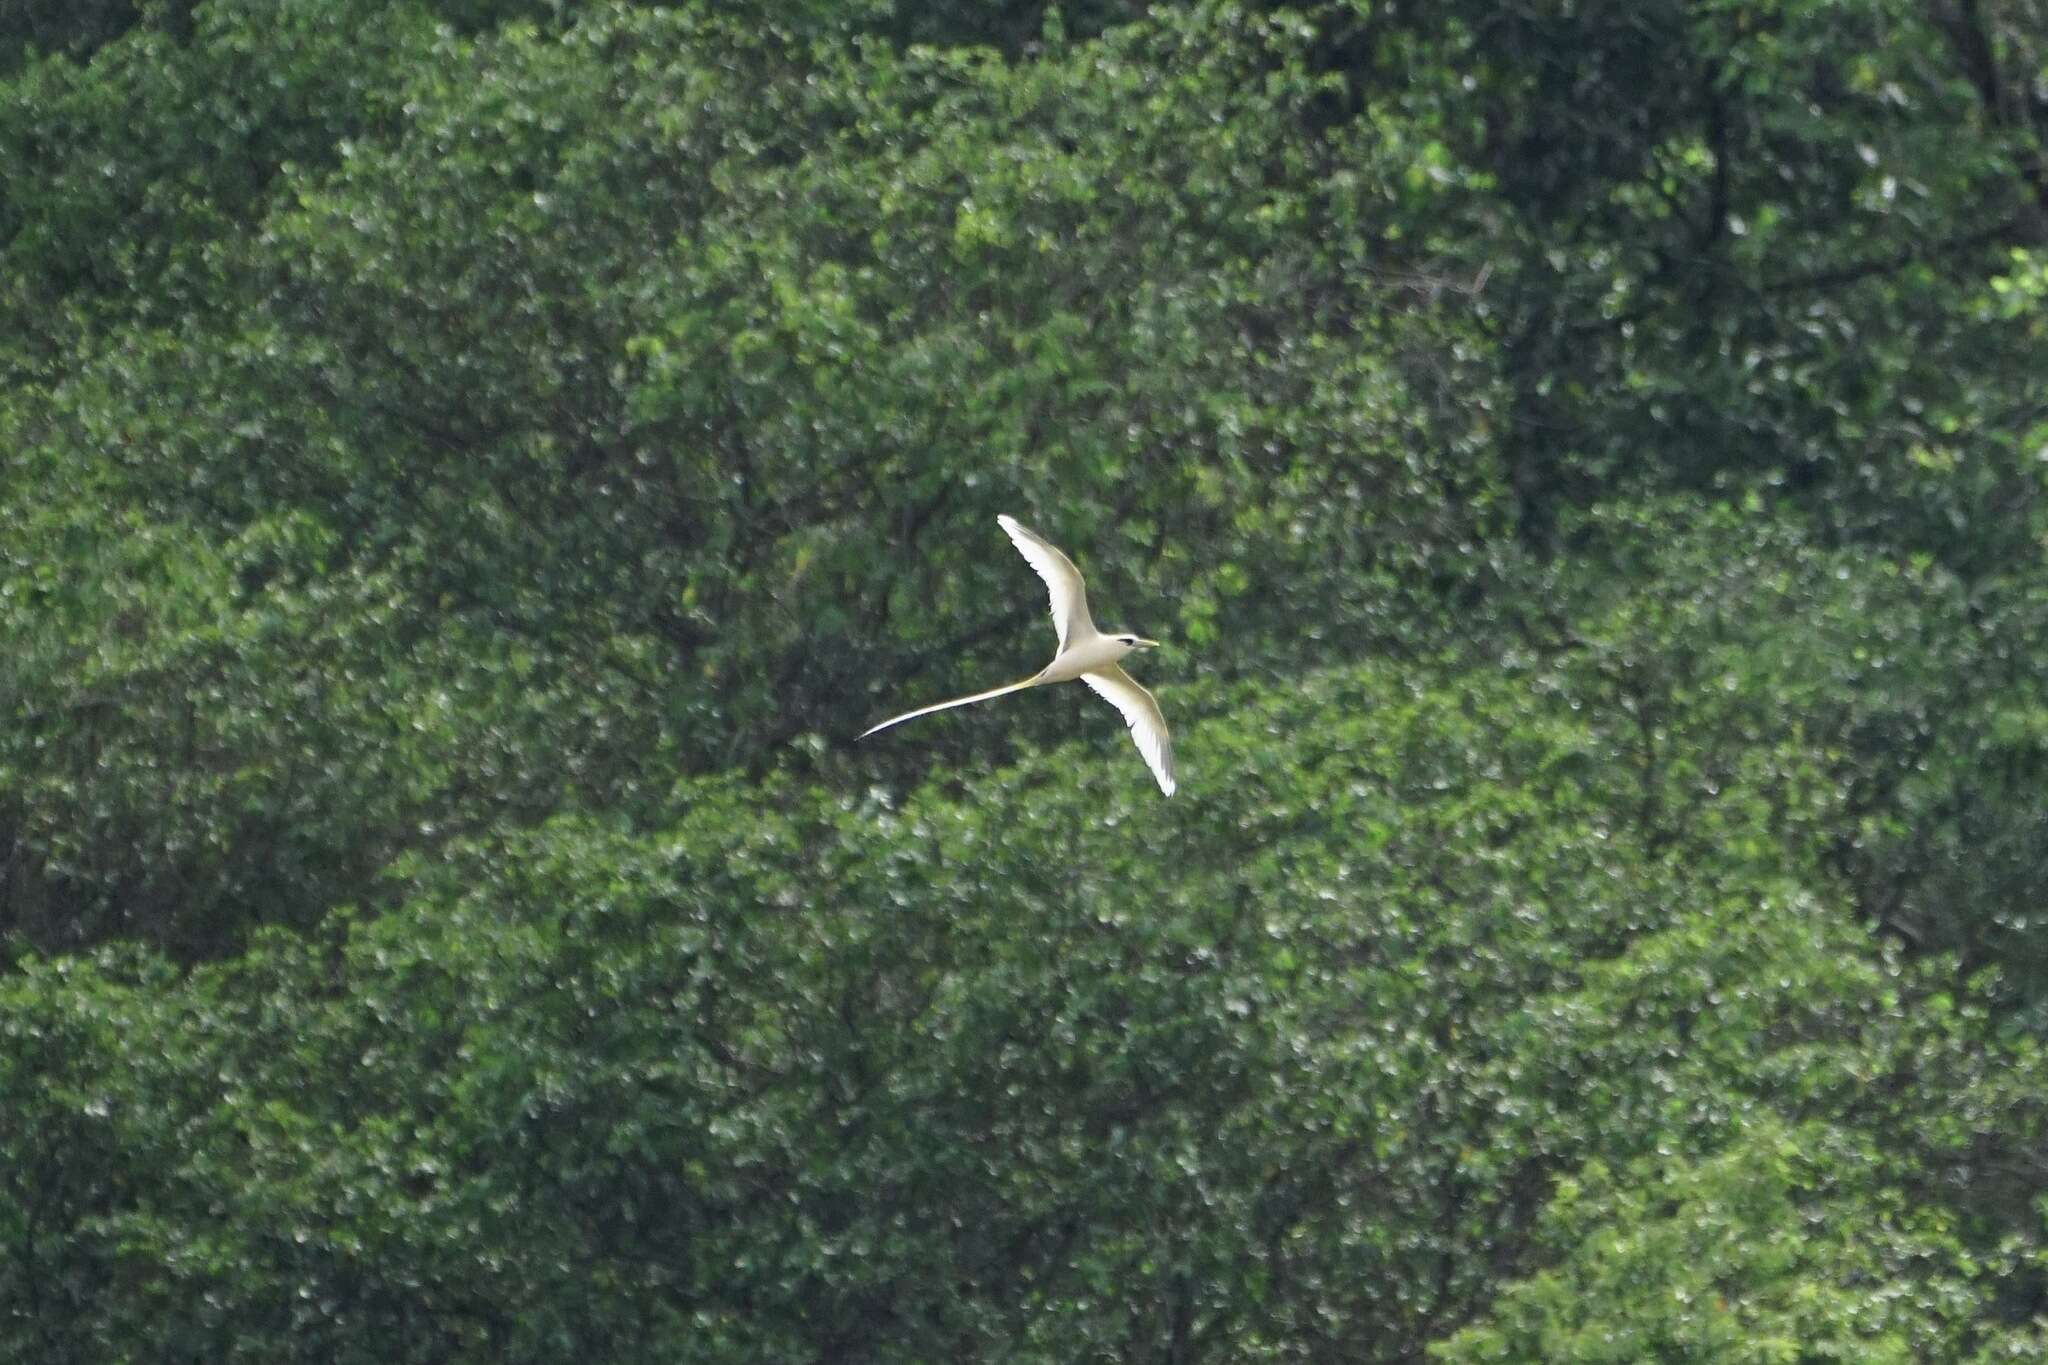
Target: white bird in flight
1084 653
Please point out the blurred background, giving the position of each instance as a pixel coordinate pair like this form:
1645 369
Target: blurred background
467 470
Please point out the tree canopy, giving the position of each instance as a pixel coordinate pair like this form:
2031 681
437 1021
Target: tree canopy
468 469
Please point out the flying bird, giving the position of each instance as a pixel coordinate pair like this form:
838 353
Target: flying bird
1085 653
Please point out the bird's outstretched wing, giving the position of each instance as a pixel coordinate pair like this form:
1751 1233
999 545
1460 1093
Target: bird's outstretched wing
1062 580
957 701
1141 713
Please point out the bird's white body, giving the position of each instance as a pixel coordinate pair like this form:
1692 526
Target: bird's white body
1085 653
1085 656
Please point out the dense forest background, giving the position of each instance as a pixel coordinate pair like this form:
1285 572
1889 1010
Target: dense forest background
467 469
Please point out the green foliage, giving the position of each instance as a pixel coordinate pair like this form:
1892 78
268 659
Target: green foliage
613 374
124 177
1910 699
1784 1247
979 1073
210 735
1736 245
73 27
606 273
465 468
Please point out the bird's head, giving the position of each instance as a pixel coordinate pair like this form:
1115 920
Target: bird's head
1136 642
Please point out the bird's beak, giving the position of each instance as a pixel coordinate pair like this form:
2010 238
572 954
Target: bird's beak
1147 644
